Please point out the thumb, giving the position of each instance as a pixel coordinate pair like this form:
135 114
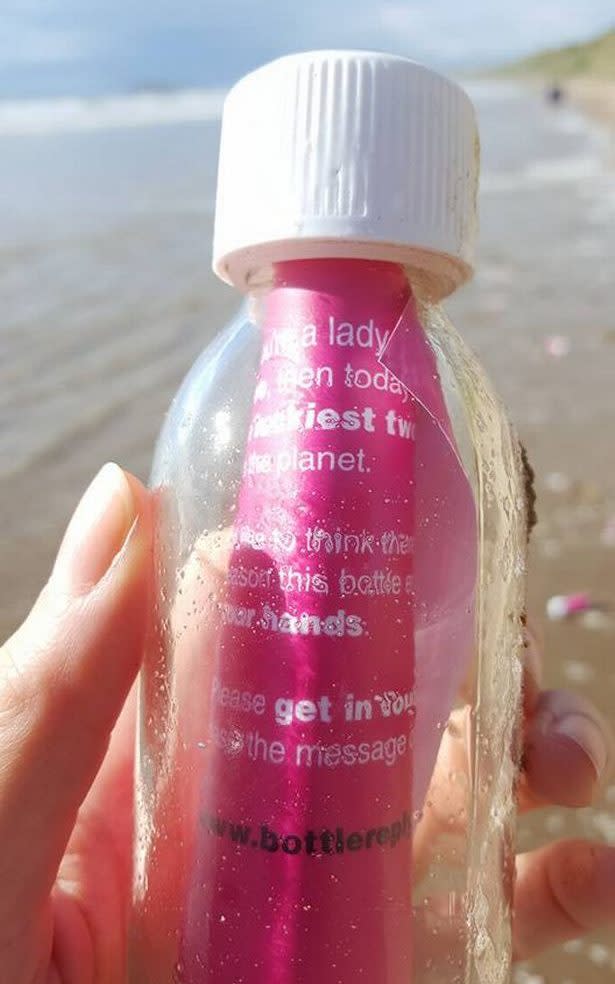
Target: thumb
64 677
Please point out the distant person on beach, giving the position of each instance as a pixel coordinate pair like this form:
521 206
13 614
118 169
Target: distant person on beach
67 706
555 93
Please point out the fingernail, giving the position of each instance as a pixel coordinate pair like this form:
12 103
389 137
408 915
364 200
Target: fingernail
589 735
96 532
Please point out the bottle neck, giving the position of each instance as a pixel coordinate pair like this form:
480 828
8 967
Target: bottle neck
334 275
375 293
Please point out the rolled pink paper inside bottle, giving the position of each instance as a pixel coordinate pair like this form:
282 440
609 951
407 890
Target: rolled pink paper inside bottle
324 731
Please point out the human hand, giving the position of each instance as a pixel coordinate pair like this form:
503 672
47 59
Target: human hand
565 889
65 783
66 749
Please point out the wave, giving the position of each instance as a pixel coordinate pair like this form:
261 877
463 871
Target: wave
39 116
493 90
556 171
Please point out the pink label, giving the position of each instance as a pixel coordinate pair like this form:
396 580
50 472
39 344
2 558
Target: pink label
303 870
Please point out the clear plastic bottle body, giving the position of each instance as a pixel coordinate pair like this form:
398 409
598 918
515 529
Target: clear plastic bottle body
329 698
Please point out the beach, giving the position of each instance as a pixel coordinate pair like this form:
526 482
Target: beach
595 97
107 298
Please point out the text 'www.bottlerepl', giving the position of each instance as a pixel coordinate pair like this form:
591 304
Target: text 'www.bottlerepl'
315 843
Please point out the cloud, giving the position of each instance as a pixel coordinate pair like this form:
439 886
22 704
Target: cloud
112 44
28 43
480 30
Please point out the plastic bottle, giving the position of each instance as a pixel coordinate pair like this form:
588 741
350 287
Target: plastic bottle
329 698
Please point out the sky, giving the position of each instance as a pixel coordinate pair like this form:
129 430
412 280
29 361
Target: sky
52 48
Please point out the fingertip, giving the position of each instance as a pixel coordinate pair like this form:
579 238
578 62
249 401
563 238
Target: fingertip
133 559
562 892
559 772
568 749
97 529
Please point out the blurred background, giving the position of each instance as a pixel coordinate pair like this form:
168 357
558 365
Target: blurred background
109 120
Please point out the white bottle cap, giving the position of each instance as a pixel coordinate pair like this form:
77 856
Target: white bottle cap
347 154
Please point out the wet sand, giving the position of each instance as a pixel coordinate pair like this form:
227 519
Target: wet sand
595 97
107 298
